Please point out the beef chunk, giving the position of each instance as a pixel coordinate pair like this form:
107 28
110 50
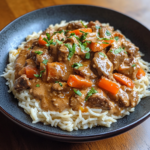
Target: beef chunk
99 100
116 58
58 36
129 67
63 53
102 64
76 101
38 58
93 25
30 44
85 71
22 83
126 97
91 37
49 30
131 49
74 25
106 31
58 87
72 40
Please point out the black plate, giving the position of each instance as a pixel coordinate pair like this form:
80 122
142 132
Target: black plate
14 33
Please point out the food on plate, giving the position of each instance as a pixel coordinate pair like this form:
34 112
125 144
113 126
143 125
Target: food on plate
77 75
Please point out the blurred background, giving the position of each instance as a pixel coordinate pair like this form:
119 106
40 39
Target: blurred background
12 9
13 137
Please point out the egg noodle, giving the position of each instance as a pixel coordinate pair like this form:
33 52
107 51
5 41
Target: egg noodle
68 119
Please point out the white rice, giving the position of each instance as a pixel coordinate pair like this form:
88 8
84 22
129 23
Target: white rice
68 119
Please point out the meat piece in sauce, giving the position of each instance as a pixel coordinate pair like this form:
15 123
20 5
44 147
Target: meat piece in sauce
30 44
102 64
131 49
62 86
74 25
39 55
22 83
94 25
63 53
116 57
100 100
129 67
85 71
106 31
76 101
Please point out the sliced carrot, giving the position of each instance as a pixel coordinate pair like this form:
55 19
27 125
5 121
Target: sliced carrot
77 32
108 85
54 69
83 109
41 41
123 80
30 71
78 82
95 47
140 73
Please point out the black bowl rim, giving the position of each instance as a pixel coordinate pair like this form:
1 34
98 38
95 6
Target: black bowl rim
70 137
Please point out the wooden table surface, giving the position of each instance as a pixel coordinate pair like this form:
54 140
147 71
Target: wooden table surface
13 137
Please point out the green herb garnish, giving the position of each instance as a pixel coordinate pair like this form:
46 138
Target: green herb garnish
104 39
59 42
102 54
77 65
77 92
90 93
84 35
71 49
37 85
48 36
29 48
61 31
108 33
36 75
133 65
83 24
59 83
45 61
117 51
39 75
87 55
39 52
97 27
105 42
125 52
116 38
49 42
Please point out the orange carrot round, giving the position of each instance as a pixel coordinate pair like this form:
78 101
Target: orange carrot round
123 80
41 41
95 47
78 82
140 73
30 71
108 85
77 32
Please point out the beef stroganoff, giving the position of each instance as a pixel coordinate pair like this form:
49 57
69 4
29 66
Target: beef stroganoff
77 75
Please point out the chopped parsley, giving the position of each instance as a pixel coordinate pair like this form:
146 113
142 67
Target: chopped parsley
29 48
83 47
97 27
84 24
59 42
71 49
45 61
39 52
117 51
90 93
84 35
116 38
108 33
73 34
49 42
87 55
102 54
39 75
105 42
77 92
104 39
59 83
77 65
125 52
133 65
37 85
61 31
48 36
